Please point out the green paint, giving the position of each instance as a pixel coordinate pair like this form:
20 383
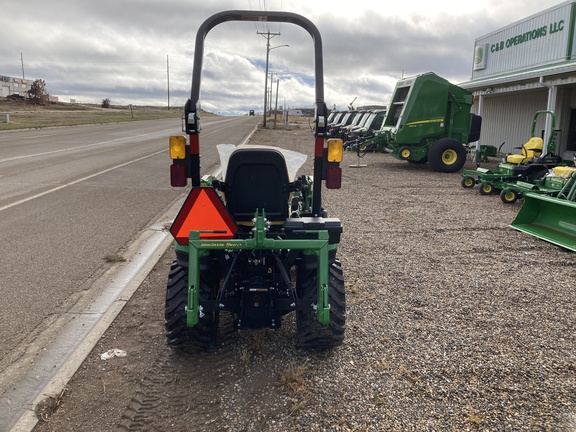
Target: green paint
319 246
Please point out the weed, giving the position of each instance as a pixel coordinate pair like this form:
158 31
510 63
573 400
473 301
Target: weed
474 417
411 375
114 258
48 406
377 399
297 405
292 378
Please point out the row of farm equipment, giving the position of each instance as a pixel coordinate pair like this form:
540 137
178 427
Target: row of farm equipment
428 121
534 168
541 178
354 126
549 208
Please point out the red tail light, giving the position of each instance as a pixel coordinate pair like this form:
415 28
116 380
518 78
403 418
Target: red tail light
333 177
178 176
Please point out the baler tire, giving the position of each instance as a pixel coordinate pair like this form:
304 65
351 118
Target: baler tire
404 153
178 335
309 332
447 155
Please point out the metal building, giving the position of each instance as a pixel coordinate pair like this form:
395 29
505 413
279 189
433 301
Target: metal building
527 66
11 85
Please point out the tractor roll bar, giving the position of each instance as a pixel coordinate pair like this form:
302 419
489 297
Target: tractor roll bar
242 15
191 118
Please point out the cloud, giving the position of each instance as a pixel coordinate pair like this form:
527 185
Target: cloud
126 50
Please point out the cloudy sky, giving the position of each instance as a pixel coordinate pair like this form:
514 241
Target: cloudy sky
126 50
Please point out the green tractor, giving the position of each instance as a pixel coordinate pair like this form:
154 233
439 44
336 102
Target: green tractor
429 120
257 243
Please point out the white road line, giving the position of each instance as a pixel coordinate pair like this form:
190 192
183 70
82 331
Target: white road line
30 198
109 142
81 147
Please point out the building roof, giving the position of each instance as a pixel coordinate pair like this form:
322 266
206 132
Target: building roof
548 71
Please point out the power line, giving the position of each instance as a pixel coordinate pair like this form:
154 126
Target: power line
268 36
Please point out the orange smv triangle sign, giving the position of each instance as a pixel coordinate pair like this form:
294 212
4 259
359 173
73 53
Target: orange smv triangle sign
203 211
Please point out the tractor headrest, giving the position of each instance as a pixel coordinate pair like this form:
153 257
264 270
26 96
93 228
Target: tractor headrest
293 160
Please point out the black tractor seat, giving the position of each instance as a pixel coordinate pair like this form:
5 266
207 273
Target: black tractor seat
257 179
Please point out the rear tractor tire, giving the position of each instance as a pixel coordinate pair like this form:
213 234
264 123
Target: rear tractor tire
447 155
178 335
309 332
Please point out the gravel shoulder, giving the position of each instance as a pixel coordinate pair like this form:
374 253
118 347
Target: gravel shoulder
454 322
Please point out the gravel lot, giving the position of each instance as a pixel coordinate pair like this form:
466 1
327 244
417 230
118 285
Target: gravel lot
454 322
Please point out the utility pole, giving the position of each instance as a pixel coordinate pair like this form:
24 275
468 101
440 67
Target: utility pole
22 61
270 91
168 79
276 105
268 36
285 114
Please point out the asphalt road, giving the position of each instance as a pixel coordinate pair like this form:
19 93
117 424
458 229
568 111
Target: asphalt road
70 197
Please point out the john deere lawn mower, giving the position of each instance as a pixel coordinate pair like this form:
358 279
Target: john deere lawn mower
531 164
552 184
255 244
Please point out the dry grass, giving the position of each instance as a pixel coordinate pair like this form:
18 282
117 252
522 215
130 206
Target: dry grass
293 379
358 293
24 116
257 344
48 406
473 417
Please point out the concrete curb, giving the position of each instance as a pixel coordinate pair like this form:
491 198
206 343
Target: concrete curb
144 258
